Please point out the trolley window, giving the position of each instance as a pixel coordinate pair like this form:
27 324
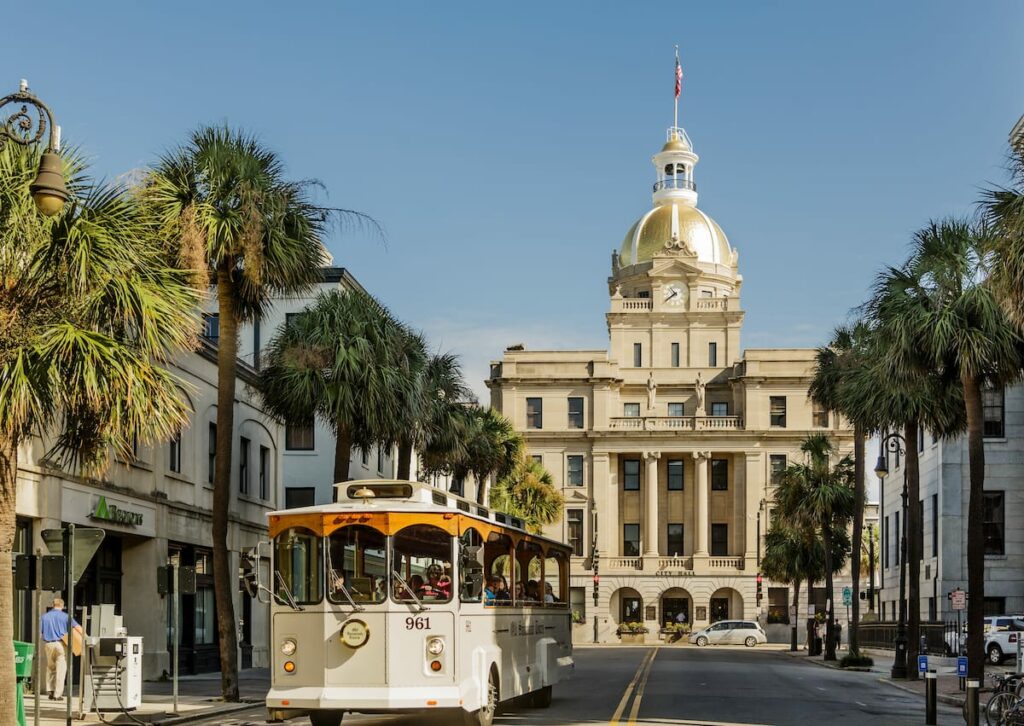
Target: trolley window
357 565
421 557
556 570
298 567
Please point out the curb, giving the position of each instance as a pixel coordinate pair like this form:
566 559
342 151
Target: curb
834 665
941 698
205 713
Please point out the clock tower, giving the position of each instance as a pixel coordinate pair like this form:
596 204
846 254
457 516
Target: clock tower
675 282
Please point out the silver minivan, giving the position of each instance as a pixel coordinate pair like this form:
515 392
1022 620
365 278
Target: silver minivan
730 632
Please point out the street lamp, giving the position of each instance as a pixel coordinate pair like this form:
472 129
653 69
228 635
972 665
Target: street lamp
897 444
48 190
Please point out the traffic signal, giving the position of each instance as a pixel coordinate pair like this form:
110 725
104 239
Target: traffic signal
760 592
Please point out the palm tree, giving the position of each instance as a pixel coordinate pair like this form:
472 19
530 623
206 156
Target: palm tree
818 496
529 493
784 548
795 553
944 310
231 218
90 312
1003 208
493 449
339 361
432 415
833 364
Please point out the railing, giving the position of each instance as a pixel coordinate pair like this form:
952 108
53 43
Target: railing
676 423
938 636
731 563
675 182
712 303
622 563
631 304
675 563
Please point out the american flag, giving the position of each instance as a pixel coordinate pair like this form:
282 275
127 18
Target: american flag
679 76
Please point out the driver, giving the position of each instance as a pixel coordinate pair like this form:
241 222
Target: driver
438 586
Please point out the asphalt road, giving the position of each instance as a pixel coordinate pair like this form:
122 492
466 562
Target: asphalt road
687 686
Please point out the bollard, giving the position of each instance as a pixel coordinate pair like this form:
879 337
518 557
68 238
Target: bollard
973 685
931 698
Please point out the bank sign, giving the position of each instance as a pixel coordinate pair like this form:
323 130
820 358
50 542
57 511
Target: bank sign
104 512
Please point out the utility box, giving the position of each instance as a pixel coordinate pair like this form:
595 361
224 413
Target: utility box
113 680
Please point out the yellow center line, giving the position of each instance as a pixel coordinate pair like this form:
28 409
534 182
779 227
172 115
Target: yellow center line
629 689
640 690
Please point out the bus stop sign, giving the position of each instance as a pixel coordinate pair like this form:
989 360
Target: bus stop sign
922 664
961 666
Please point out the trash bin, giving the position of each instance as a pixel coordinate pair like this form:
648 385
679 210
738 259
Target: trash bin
23 653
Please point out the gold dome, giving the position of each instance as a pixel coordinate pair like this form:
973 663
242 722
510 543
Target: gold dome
676 144
697 230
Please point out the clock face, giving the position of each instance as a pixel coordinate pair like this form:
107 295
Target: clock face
675 294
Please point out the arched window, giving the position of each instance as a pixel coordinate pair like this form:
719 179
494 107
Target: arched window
298 567
357 565
422 558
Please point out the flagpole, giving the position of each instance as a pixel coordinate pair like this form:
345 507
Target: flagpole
675 117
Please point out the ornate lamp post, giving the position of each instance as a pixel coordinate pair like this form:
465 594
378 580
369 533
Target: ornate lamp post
25 128
896 443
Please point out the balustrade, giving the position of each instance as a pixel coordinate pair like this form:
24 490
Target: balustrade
726 563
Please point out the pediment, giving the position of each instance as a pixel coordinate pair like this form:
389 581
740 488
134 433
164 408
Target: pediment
674 266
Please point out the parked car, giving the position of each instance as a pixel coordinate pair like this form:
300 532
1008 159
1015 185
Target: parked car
1001 635
735 632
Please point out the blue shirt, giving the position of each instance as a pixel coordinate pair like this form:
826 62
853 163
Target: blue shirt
54 625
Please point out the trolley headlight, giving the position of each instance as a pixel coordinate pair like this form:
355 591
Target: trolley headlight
288 647
435 646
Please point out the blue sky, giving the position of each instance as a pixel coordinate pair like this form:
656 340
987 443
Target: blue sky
506 148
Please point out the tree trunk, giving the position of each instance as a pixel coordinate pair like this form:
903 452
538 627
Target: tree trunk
830 616
796 616
913 531
858 537
975 531
404 460
342 453
223 574
8 525
481 490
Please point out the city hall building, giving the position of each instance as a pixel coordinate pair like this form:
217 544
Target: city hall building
665 445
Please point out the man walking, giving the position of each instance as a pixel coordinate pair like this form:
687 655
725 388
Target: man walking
54 629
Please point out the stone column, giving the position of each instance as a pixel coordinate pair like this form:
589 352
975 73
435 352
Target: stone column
607 502
701 515
651 495
754 485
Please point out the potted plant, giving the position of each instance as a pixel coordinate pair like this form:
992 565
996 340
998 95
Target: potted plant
631 632
675 632
578 618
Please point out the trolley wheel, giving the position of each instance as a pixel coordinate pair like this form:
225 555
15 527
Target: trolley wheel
326 718
484 716
541 698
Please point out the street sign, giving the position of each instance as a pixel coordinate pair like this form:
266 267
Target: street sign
961 666
847 596
959 599
922 664
86 541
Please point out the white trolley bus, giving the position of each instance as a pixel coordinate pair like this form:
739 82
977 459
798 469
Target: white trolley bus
401 597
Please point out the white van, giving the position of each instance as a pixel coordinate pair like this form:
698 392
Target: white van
730 632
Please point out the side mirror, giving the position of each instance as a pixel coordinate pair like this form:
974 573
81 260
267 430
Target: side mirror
249 574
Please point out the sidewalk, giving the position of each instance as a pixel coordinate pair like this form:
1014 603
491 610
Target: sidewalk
948 684
198 697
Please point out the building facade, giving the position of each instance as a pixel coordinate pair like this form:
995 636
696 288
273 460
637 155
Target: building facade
157 508
666 444
945 494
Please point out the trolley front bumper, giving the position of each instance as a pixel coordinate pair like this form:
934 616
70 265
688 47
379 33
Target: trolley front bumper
363 698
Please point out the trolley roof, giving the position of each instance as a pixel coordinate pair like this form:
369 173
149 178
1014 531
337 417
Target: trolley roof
397 495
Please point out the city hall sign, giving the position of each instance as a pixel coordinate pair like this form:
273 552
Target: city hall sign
104 512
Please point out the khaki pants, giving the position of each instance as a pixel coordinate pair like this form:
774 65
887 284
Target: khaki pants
56 668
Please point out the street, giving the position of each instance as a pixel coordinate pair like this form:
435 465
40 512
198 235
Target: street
717 686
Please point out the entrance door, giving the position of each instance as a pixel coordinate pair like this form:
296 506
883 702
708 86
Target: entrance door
719 609
630 610
672 606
